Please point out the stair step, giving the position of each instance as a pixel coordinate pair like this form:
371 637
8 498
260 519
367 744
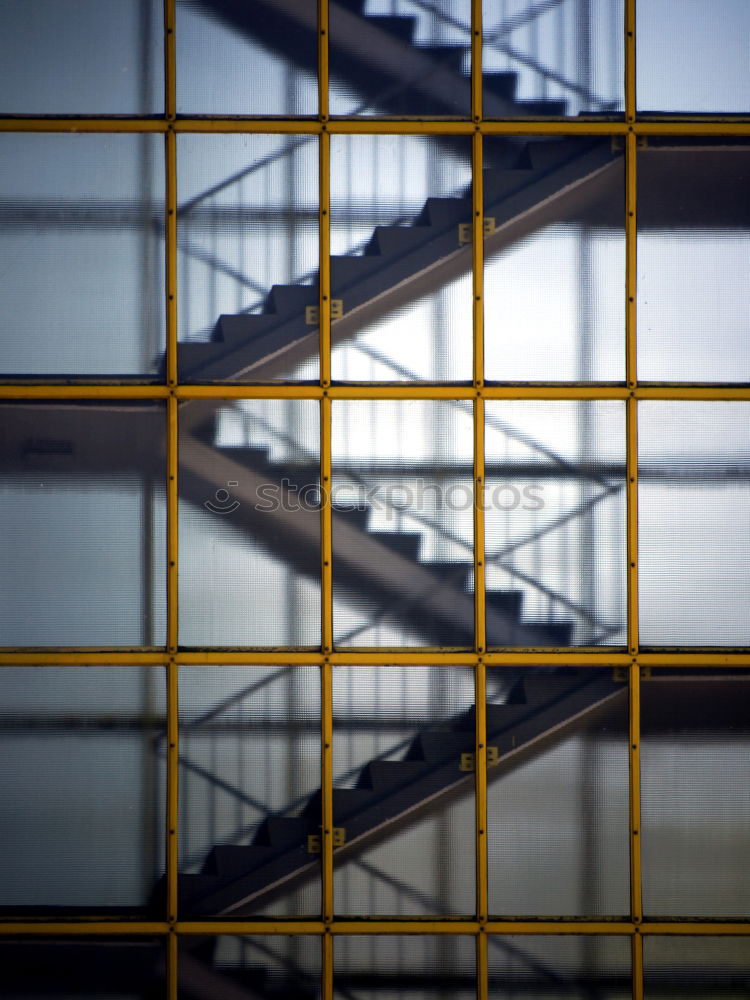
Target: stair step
394 240
502 84
357 516
254 458
345 802
541 109
506 602
455 574
440 213
355 6
396 26
346 271
231 861
384 774
451 57
404 543
283 831
441 745
286 300
551 633
499 183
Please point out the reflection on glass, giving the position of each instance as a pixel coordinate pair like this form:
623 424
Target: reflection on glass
399 791
558 794
704 69
82 788
693 246
250 524
402 523
397 203
81 254
88 57
552 58
694 530
408 58
554 260
247 232
247 59
431 966
555 523
555 966
695 796
83 532
249 790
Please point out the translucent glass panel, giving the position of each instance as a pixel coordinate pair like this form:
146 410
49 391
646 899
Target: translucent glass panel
554 260
249 790
555 522
694 529
558 794
247 232
549 59
73 966
402 523
402 58
246 59
704 67
695 795
388 967
539 968
76 57
400 795
81 788
693 246
81 253
234 967
398 270
249 524
83 527
696 966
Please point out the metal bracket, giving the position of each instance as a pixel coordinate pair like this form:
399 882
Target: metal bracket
620 674
312 313
468 760
315 843
464 230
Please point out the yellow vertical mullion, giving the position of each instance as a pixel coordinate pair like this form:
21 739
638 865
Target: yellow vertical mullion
477 246
173 758
634 689
636 956
323 59
173 943
170 250
477 110
170 60
482 966
327 967
324 267
326 781
482 896
632 381
630 56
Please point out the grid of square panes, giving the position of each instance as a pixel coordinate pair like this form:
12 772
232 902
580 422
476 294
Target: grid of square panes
90 518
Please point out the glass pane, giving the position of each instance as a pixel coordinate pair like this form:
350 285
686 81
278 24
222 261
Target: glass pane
557 797
249 791
68 968
693 247
695 796
542 968
81 254
246 59
83 532
400 58
249 524
388 967
704 67
696 966
402 523
247 232
82 785
250 967
75 57
552 58
694 529
554 216
555 523
400 797
398 269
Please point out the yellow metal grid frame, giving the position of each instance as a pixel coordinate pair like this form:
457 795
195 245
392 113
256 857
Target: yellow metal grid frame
632 659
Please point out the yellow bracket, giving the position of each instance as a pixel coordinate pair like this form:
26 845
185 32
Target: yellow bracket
464 230
312 313
620 674
314 842
468 760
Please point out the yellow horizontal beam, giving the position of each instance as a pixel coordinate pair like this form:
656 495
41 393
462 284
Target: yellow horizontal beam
717 125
